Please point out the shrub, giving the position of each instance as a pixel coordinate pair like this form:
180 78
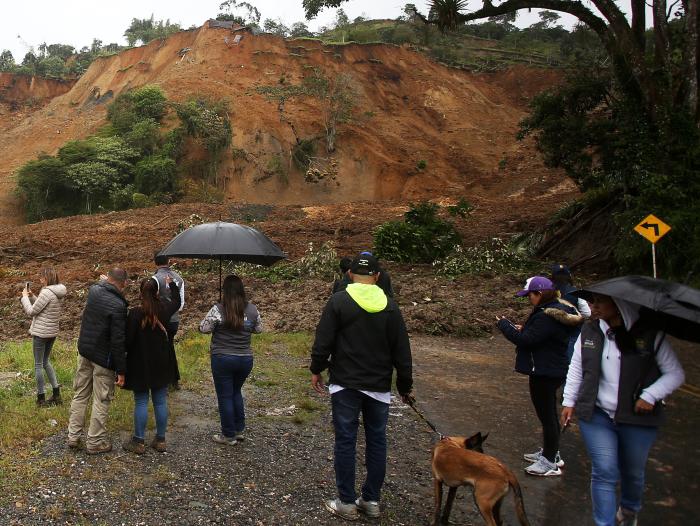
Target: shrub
493 255
422 237
316 263
148 102
422 164
155 174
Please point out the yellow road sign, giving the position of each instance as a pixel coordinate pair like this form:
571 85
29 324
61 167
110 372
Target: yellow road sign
652 228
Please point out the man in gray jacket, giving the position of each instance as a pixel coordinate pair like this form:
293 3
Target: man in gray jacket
164 270
101 361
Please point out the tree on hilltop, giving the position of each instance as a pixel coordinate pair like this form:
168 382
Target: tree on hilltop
147 29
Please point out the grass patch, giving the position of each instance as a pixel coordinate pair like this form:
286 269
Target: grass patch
280 371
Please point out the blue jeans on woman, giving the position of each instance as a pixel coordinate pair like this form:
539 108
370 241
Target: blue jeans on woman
42 350
229 374
347 406
160 411
618 452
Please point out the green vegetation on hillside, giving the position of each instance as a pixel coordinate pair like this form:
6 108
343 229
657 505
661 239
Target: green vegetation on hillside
131 162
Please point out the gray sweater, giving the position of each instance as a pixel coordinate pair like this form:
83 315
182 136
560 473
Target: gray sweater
164 290
229 341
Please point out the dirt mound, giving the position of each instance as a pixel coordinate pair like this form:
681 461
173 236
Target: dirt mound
83 247
409 110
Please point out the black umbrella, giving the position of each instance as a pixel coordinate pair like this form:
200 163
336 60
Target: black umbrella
220 240
669 306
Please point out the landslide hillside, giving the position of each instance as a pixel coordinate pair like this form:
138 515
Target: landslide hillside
409 109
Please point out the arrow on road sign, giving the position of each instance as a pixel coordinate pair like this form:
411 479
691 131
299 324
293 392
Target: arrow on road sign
655 226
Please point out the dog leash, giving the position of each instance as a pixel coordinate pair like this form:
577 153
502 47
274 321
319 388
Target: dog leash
412 404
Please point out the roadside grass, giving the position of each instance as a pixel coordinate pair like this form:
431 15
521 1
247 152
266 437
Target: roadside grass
280 370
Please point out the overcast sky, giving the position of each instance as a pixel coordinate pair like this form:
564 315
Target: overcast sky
26 23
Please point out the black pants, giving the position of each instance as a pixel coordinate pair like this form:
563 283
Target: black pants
171 329
543 393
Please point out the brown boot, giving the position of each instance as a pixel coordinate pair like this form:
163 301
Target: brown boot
135 446
41 400
159 445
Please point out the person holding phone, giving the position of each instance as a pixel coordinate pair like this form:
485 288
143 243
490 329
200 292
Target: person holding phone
45 311
541 345
620 373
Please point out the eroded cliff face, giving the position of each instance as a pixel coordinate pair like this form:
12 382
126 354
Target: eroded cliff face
409 109
19 90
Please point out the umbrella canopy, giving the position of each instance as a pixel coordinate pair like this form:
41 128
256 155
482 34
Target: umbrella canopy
228 241
673 307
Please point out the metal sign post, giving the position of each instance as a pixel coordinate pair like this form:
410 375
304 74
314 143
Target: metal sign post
653 229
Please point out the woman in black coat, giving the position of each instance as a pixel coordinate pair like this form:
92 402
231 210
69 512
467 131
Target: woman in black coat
541 353
149 362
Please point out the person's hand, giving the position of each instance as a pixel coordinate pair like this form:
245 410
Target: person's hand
120 380
567 414
518 326
25 292
103 277
168 279
408 398
642 406
317 384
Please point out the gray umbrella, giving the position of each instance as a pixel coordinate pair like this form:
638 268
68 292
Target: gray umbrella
220 240
673 307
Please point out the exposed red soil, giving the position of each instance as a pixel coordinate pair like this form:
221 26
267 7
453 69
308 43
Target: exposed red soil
408 109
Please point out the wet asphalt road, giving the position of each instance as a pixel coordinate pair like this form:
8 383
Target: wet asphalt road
466 386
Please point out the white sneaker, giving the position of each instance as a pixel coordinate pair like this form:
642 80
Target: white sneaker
368 507
534 457
221 439
543 468
342 510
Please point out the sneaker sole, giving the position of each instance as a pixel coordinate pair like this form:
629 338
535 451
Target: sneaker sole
341 515
560 463
550 473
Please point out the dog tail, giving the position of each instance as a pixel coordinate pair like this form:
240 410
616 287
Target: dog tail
518 496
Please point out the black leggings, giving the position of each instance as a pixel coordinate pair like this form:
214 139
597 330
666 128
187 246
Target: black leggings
543 393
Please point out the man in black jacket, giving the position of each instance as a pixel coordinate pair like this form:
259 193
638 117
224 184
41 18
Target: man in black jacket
361 338
102 361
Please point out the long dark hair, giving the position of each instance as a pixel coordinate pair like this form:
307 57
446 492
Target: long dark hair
149 302
234 303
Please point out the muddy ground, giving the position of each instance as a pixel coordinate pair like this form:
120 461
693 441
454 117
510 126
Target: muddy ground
281 474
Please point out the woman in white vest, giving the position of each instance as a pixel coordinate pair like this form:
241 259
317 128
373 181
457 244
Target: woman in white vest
619 375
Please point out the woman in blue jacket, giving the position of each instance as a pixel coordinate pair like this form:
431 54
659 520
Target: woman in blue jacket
541 353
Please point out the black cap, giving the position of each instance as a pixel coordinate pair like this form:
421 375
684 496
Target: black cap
365 265
560 269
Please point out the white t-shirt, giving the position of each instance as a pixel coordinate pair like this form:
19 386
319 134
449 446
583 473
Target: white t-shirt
384 398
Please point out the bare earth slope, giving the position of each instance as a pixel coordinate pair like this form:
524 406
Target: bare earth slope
409 109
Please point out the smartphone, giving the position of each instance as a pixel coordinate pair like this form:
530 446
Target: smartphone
27 284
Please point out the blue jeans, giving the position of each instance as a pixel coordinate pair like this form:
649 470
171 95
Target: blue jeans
347 406
229 374
42 350
160 410
618 452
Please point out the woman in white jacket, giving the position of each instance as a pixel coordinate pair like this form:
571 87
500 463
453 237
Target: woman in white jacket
45 311
620 374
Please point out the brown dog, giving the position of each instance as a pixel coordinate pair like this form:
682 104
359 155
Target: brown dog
457 461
